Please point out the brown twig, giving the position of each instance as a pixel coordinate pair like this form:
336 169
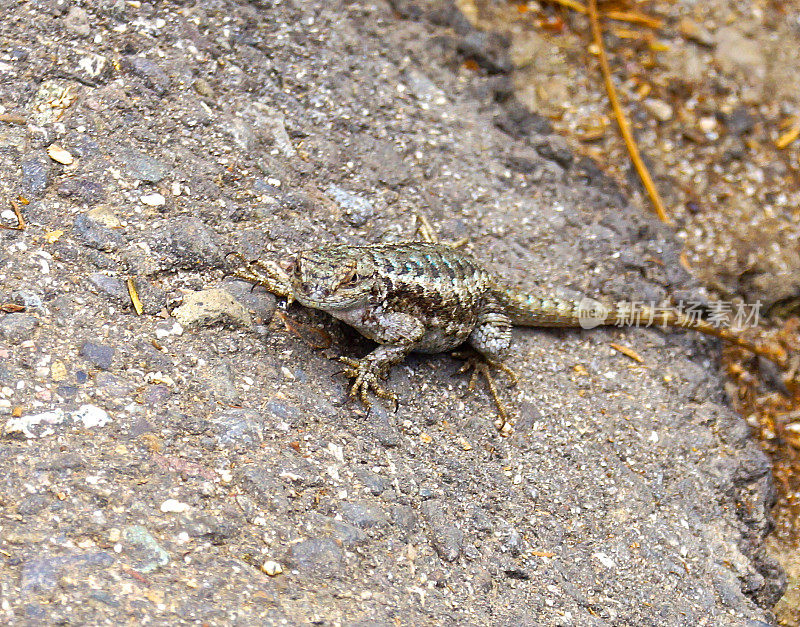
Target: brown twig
634 17
570 4
622 121
10 118
20 220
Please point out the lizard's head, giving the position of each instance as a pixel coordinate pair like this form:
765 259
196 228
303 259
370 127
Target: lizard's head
332 277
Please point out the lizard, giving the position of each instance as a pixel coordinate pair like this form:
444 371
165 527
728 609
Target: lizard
429 297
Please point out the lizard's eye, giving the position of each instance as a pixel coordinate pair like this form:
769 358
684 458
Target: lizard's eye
350 280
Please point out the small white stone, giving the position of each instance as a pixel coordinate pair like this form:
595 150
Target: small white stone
157 378
93 64
173 506
661 110
23 424
57 153
91 416
153 200
605 560
272 568
225 475
707 124
165 330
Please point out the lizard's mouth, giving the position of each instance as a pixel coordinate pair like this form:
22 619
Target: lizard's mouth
323 298
312 293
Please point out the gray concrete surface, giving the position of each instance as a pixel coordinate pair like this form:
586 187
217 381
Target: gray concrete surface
159 474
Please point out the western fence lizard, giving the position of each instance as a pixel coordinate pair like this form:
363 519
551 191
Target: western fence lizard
430 298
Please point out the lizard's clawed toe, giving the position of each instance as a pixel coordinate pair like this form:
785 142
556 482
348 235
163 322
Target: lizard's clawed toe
482 366
367 377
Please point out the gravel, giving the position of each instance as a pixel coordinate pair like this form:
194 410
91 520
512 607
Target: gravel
626 494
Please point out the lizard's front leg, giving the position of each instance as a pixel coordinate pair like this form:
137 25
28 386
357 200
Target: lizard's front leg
368 372
397 333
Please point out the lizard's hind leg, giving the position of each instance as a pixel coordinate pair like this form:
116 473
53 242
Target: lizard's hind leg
481 366
490 338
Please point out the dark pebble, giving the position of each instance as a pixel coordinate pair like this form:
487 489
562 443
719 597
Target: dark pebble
82 190
110 286
739 121
447 539
382 426
235 428
95 235
259 302
99 355
357 210
187 243
154 77
35 175
15 328
555 148
404 518
363 516
374 483
142 166
319 556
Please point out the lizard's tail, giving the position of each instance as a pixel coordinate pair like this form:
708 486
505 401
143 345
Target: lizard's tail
533 311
